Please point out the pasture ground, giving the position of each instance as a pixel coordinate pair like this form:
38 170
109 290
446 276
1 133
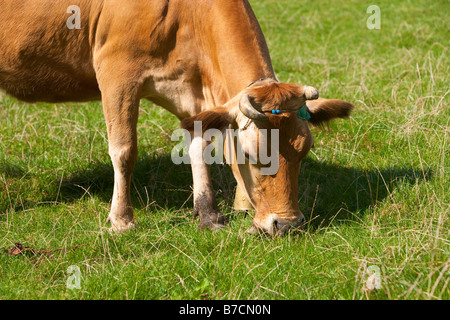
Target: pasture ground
375 188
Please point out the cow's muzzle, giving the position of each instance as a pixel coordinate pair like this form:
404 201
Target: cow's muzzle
278 227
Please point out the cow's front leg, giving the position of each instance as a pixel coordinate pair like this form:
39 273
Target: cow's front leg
120 107
205 206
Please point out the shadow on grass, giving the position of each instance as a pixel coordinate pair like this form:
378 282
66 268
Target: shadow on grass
326 191
331 193
156 181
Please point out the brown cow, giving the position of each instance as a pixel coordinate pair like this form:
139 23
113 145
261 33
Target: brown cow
195 58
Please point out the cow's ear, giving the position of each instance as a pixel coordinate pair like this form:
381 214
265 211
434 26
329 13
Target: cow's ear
323 110
217 118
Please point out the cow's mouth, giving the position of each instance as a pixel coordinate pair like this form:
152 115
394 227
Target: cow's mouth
283 228
280 228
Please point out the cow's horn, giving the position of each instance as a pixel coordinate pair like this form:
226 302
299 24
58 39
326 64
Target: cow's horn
249 110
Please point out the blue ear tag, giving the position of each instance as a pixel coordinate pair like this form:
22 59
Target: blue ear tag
303 113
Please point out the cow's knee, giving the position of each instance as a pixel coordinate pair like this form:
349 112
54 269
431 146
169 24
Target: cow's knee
123 158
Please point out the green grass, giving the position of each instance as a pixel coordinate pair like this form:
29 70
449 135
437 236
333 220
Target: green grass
375 188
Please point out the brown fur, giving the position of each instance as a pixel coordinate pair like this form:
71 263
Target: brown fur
271 94
291 135
187 56
323 110
219 118
182 55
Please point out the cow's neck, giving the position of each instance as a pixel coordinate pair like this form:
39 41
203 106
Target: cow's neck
236 49
211 52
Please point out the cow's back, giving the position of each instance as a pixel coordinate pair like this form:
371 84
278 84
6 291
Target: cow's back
41 59
188 55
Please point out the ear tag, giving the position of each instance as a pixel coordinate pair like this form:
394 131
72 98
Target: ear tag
303 112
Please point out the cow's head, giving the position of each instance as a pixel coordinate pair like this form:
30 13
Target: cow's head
270 120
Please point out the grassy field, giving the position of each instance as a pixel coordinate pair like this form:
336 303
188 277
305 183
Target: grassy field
375 188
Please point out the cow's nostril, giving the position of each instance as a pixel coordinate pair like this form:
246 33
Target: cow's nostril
281 228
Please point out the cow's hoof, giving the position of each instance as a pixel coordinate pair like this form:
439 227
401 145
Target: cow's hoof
211 226
214 221
121 225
